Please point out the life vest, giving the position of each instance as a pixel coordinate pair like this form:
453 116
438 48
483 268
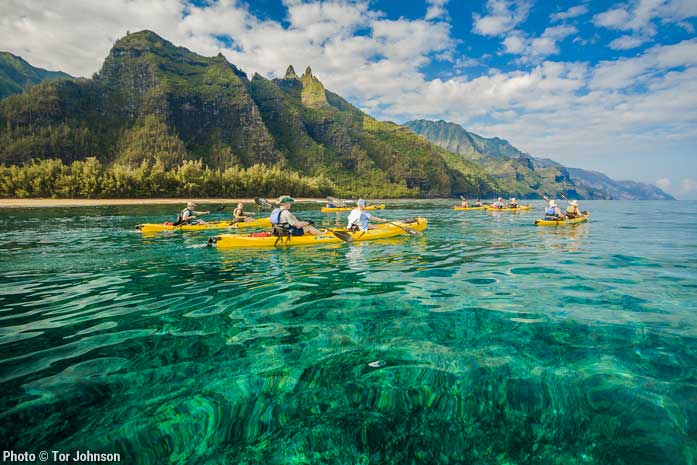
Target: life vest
571 209
182 217
551 211
275 217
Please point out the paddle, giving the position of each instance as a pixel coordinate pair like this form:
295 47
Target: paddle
186 220
338 202
263 203
411 232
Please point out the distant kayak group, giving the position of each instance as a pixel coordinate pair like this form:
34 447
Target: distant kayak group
553 216
284 228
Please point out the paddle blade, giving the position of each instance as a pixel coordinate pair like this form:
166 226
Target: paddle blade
337 202
346 237
220 208
411 232
262 202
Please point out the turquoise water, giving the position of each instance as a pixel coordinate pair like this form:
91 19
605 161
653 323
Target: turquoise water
487 341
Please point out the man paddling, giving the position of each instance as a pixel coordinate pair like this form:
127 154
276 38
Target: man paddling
189 215
284 222
465 203
553 212
498 203
359 219
513 203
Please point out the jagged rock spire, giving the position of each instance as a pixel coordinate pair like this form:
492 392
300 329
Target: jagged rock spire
290 73
308 71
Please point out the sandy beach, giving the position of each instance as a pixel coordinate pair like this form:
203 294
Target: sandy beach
35 203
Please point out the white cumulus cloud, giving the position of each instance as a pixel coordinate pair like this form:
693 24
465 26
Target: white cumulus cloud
501 16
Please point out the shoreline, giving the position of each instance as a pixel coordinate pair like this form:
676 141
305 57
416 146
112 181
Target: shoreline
43 203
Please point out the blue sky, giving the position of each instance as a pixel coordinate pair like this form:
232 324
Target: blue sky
602 85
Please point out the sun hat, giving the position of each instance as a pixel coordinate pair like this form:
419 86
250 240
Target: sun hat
512 199
191 204
361 203
552 203
574 203
499 198
286 199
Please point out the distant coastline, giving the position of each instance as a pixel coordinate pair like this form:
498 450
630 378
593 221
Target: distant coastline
43 203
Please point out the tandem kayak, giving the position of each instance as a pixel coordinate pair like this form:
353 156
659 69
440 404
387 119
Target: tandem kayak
508 209
563 221
348 209
468 208
381 231
160 227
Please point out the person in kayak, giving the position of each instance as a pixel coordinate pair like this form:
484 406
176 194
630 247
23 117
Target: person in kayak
359 219
478 203
189 215
284 222
498 203
573 211
465 203
513 203
241 215
553 212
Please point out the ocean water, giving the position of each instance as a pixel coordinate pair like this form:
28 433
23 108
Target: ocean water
487 341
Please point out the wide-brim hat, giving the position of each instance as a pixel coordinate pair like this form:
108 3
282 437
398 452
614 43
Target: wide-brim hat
552 203
574 203
286 199
191 204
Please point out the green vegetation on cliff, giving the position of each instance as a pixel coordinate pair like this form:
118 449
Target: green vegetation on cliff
16 75
159 104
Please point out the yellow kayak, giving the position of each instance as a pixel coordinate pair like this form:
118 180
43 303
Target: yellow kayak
469 208
563 221
508 209
348 209
160 227
381 231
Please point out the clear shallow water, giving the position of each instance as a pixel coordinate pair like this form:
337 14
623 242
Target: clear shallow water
488 341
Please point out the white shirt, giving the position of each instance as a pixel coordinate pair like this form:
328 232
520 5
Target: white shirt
359 218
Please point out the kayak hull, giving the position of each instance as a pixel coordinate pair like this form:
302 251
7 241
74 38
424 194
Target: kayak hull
160 227
507 209
382 231
563 222
348 209
468 208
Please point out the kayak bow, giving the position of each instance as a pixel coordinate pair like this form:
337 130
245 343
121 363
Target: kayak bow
348 209
160 227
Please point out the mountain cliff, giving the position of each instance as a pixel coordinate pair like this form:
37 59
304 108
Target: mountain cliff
155 102
522 175
16 75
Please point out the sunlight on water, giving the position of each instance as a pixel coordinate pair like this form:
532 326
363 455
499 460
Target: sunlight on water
486 341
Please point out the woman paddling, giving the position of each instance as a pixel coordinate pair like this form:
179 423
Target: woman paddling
241 215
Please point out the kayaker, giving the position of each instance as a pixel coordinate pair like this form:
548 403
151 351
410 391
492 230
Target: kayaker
572 210
241 215
498 203
553 211
465 203
330 205
477 203
358 219
189 214
283 221
513 203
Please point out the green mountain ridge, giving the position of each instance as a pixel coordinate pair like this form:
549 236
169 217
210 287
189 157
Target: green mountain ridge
522 175
154 102
16 75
